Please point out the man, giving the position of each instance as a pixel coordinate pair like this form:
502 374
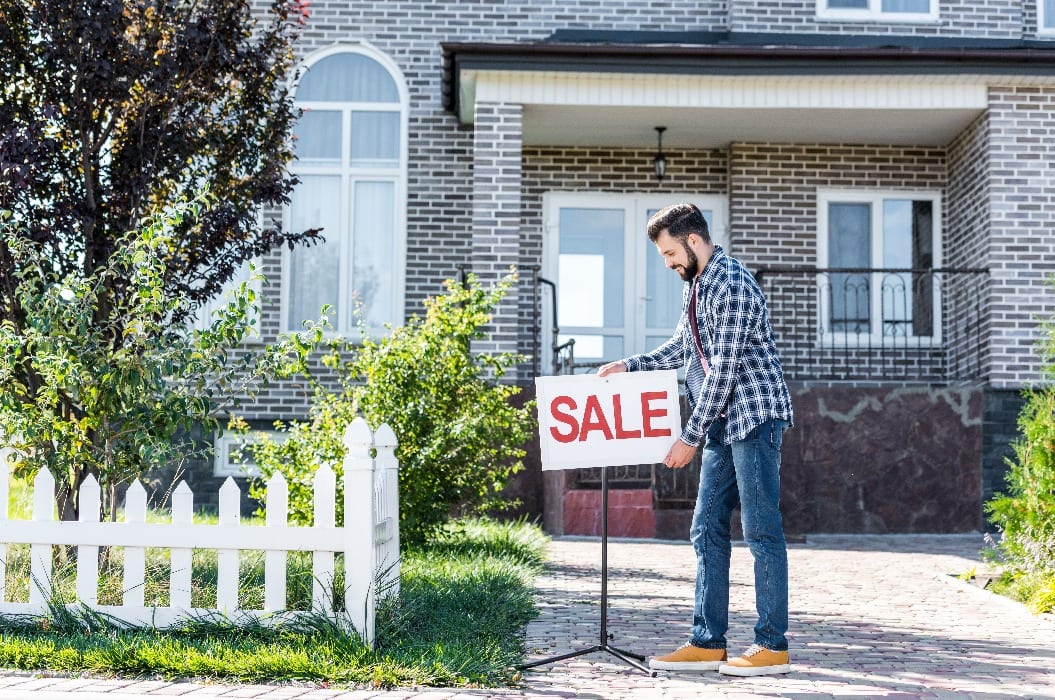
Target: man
740 408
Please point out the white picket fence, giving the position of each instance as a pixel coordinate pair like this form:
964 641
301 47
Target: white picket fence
369 540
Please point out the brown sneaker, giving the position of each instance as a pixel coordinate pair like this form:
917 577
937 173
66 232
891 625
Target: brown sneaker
689 658
757 661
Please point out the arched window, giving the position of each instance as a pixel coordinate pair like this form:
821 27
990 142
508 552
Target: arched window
351 161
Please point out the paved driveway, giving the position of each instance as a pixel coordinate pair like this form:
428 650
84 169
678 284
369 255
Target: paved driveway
872 616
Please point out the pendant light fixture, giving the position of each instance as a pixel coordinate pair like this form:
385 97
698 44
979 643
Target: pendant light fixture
659 162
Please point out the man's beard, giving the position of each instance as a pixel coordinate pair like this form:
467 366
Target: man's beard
692 266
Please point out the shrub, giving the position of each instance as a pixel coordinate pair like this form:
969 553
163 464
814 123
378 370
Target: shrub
1026 513
460 436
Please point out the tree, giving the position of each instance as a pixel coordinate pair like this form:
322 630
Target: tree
112 110
115 410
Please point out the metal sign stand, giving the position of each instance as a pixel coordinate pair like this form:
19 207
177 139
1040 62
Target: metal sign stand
603 645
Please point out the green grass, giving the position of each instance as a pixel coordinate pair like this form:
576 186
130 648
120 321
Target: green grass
458 620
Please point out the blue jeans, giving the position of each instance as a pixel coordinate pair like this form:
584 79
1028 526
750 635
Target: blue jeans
747 473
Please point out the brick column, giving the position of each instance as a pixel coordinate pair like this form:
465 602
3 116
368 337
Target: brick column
1021 247
496 183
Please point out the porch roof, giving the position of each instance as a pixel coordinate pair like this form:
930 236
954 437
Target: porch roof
591 88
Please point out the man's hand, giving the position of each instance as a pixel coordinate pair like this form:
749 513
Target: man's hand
611 368
679 455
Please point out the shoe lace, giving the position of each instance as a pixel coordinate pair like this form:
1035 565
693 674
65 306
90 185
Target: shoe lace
752 650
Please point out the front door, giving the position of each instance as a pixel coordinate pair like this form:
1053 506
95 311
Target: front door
614 295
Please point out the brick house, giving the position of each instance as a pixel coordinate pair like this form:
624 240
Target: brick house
883 166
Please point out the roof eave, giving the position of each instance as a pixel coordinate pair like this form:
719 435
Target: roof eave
734 60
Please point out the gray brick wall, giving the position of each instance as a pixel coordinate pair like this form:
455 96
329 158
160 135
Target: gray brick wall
496 214
967 246
1021 244
978 19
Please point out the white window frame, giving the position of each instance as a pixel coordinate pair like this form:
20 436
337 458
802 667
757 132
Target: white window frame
875 338
345 325
1043 29
634 330
225 446
874 13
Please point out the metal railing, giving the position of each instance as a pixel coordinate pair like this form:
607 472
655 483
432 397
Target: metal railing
863 324
869 324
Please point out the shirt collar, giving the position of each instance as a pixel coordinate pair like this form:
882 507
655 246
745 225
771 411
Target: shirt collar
710 270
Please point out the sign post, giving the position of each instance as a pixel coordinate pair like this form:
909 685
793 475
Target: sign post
590 421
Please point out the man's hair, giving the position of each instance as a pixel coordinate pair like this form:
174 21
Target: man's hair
679 220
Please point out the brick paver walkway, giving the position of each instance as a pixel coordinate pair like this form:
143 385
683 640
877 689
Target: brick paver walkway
872 616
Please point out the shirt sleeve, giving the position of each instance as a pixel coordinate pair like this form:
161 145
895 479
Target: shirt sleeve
735 308
669 355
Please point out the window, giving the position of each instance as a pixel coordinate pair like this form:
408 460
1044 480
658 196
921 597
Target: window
233 459
879 252
350 144
879 10
1046 17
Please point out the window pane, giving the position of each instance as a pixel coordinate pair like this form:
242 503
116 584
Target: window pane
1049 14
847 4
591 293
908 243
373 227
375 138
318 138
849 246
314 272
347 77
917 6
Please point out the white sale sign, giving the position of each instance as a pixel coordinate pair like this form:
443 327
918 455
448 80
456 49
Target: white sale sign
590 421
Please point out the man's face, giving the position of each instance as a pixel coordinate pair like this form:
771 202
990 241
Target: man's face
677 255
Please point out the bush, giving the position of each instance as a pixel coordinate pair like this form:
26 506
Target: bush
1026 513
460 436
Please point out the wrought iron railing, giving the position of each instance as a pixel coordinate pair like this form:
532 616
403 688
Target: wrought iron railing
871 324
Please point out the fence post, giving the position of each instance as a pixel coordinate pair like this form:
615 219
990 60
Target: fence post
325 496
135 557
359 528
227 559
388 471
88 555
40 567
276 515
182 558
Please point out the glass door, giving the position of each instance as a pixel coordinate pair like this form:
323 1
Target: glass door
614 295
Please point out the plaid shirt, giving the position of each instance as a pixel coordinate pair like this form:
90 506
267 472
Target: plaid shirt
746 382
